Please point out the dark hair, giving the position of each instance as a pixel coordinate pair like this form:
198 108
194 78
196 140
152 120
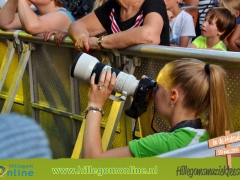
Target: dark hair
58 3
225 20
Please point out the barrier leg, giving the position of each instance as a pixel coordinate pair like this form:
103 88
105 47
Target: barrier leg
111 126
79 142
6 63
17 79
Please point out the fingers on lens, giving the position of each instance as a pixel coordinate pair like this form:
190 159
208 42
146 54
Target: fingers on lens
108 76
92 79
103 76
113 81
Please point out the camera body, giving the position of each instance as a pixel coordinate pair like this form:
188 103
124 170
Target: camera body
85 65
141 98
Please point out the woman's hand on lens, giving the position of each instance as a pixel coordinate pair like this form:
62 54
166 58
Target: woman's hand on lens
99 93
82 43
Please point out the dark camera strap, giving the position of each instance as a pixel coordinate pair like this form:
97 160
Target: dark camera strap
136 120
154 130
134 130
196 124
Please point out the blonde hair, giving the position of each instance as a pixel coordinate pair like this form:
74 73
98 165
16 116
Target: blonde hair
98 3
202 91
232 5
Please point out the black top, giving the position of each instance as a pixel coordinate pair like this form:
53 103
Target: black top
109 16
196 124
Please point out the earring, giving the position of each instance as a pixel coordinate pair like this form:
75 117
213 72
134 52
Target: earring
171 104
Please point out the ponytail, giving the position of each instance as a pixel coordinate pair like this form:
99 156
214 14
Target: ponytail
219 118
204 91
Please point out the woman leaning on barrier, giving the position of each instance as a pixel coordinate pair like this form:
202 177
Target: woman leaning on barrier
126 23
185 89
59 35
51 16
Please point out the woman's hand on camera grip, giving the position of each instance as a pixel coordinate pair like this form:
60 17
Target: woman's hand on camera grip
99 93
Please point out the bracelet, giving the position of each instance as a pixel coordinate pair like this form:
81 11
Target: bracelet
94 109
99 42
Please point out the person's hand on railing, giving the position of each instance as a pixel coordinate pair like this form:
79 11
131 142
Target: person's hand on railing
93 43
82 43
85 44
59 35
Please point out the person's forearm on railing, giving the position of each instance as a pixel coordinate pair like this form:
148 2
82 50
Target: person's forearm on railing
31 22
89 26
149 33
29 19
8 16
50 18
82 29
139 35
145 34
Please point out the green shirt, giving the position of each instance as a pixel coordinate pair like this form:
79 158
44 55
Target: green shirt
160 143
201 43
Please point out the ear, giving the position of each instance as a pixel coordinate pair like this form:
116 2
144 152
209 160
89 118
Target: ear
220 33
174 96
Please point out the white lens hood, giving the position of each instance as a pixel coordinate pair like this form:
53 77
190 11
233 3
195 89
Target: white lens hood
86 63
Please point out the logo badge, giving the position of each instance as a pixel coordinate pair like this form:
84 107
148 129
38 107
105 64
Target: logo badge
3 171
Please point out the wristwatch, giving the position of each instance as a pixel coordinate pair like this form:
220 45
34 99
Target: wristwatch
99 41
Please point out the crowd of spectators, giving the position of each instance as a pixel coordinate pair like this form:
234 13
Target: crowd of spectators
111 23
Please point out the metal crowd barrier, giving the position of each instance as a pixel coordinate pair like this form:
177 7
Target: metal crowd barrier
35 81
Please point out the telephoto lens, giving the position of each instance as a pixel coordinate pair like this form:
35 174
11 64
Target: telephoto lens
85 65
126 84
